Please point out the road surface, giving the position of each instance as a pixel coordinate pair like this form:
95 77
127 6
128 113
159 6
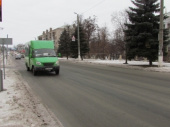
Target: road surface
84 95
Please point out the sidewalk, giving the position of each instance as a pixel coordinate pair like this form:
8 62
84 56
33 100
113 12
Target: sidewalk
19 107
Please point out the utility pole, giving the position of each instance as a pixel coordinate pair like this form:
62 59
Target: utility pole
79 58
3 59
160 35
7 52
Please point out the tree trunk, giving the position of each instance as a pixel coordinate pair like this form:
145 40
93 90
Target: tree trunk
89 49
126 56
150 62
67 56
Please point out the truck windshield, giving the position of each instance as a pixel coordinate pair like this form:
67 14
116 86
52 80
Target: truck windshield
44 53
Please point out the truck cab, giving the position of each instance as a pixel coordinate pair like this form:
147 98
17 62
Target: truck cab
40 56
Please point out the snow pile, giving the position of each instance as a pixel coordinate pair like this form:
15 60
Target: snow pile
19 107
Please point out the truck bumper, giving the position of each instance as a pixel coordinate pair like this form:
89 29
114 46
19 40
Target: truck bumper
54 68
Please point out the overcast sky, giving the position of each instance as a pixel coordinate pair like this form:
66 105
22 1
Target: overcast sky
25 20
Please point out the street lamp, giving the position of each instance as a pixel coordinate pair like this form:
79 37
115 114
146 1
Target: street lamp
160 36
79 58
1 28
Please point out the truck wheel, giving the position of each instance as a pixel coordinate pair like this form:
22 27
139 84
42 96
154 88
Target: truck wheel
34 71
57 72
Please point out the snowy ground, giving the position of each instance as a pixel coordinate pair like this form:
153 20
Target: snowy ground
20 108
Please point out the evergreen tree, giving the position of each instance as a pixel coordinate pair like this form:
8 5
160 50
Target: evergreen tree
84 48
64 43
142 32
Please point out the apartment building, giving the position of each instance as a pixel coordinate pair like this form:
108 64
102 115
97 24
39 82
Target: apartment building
52 34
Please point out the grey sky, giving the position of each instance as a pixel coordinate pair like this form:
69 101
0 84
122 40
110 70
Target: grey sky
24 20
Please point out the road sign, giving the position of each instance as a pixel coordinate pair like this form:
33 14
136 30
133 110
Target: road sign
6 41
73 38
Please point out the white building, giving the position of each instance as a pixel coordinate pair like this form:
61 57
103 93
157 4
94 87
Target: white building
167 25
52 35
167 21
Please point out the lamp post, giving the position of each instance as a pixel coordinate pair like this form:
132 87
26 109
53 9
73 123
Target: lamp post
1 28
79 58
160 36
1 73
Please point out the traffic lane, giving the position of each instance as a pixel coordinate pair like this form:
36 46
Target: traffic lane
91 100
155 102
18 63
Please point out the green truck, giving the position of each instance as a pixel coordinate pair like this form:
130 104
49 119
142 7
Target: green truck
40 56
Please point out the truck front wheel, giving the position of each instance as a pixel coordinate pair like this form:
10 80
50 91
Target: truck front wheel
28 69
34 71
57 72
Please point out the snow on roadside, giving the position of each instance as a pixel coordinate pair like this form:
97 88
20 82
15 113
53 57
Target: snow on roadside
120 63
19 107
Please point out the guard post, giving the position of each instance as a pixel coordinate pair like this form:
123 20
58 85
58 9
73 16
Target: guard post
1 81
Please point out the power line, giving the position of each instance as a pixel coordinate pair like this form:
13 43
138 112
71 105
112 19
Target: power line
86 11
90 8
93 6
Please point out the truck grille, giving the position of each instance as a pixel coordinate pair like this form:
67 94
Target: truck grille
48 64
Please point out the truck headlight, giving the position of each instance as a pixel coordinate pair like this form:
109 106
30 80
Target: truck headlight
38 63
57 62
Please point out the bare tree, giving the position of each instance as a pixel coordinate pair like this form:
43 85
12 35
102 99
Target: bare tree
90 27
119 19
100 46
104 40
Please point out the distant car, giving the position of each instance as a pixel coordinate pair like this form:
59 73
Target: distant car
22 55
17 56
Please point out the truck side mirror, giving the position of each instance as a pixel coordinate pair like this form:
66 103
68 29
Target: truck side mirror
31 56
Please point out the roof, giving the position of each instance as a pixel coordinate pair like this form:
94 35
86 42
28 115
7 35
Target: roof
42 44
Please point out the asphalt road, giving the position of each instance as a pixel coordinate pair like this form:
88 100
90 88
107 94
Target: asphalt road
85 95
